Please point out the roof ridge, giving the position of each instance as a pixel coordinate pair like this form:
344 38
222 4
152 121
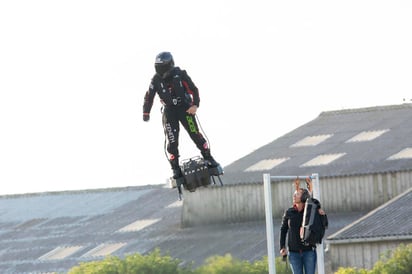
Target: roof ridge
366 109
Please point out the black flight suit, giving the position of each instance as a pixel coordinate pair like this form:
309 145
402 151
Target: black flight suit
177 93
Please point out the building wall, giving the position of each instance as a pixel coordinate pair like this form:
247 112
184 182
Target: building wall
360 255
366 192
227 204
245 202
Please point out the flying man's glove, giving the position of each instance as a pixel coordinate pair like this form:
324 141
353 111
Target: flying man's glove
146 117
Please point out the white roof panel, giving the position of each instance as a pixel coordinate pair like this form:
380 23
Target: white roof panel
324 159
266 164
403 154
138 225
367 136
104 250
312 140
60 253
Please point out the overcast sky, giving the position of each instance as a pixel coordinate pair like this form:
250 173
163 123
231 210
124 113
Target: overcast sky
73 75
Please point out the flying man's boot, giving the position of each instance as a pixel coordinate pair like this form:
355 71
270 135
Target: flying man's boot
214 167
208 157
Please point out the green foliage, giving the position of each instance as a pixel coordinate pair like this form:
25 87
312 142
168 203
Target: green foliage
397 262
229 265
282 267
351 270
153 263
110 265
223 265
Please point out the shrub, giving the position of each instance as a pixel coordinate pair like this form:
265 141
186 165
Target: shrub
350 270
229 265
110 265
153 263
224 265
397 262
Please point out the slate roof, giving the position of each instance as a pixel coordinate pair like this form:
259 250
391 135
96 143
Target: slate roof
392 220
362 141
52 232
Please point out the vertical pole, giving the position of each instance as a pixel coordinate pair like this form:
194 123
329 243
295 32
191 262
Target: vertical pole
316 188
319 247
269 223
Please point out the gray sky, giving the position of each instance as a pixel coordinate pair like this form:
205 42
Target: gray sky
73 76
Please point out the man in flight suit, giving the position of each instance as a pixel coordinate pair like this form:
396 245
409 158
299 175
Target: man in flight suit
180 98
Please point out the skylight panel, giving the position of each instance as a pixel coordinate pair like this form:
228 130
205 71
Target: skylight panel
324 159
104 250
266 164
312 140
138 225
177 203
367 136
60 253
403 154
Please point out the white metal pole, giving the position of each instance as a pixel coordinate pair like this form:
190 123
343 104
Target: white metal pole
288 177
316 187
269 223
319 247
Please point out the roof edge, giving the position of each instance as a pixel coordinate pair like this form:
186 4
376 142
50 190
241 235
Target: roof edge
81 191
371 239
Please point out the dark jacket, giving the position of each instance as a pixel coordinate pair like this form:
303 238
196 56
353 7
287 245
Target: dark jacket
177 89
291 223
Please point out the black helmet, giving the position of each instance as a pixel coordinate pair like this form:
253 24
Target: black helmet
164 63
